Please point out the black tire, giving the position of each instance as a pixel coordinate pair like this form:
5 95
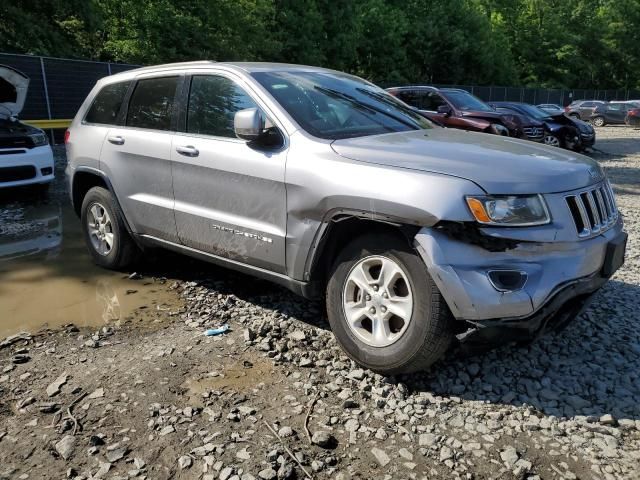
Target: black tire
428 333
124 249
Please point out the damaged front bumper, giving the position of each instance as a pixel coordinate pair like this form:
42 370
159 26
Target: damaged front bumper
557 279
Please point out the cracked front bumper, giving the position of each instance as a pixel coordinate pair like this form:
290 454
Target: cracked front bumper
460 270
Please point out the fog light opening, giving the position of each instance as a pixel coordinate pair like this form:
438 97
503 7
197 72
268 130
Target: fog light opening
507 280
46 171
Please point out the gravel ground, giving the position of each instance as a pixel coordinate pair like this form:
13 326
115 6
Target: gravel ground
275 398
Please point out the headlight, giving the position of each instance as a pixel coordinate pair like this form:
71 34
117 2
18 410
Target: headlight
39 139
509 210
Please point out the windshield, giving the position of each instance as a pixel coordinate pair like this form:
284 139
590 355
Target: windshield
332 105
534 112
465 101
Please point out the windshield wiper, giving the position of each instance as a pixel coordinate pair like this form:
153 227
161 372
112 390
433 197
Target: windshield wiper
363 105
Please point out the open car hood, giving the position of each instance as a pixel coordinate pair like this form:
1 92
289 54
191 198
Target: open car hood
13 91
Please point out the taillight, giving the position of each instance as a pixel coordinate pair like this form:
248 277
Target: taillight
67 134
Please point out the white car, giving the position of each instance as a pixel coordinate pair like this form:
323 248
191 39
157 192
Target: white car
25 155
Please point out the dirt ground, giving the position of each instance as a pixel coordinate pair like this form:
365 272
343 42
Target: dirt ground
127 385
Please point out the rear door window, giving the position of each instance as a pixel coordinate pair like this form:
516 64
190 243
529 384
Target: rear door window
213 103
152 102
106 105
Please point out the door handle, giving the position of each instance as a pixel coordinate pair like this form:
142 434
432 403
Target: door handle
188 151
116 140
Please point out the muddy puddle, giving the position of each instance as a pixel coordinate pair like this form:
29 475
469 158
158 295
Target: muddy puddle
47 278
242 376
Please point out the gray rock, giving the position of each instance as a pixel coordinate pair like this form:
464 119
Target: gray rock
381 456
509 456
54 387
268 474
285 432
66 446
117 454
225 473
323 439
357 374
427 440
406 454
185 462
445 453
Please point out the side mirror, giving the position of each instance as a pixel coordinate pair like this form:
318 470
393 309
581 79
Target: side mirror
249 124
445 109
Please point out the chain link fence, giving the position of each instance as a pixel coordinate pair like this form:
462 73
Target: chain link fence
59 86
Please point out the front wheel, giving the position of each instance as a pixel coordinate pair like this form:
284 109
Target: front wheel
552 140
598 121
384 309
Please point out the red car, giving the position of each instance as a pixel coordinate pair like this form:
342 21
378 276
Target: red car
456 108
633 117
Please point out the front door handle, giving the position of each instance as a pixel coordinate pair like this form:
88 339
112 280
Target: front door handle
188 151
116 140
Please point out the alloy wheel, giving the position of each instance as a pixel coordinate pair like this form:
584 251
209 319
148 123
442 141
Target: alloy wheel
377 301
598 121
552 140
100 229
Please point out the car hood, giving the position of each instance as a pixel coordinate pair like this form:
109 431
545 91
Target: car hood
500 165
482 114
13 91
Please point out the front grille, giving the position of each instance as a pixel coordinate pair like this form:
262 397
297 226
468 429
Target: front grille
593 210
17 141
14 174
533 132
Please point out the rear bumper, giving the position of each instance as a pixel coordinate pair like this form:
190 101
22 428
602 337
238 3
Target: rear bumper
26 167
564 270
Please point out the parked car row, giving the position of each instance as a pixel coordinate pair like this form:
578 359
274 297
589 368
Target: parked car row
458 108
602 113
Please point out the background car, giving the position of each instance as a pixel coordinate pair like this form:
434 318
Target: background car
551 108
559 130
614 113
633 117
582 109
27 158
456 108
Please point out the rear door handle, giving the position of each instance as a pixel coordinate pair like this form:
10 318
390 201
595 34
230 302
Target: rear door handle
188 151
116 140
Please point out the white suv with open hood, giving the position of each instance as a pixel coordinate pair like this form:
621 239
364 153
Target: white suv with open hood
25 155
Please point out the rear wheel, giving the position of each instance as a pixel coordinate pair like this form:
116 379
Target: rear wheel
384 308
106 236
598 121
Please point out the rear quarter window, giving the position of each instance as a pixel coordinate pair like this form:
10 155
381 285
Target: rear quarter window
106 105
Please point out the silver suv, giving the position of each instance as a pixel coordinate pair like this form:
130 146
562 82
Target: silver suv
328 185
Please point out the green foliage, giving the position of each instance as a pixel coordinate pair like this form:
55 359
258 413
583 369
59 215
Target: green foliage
548 43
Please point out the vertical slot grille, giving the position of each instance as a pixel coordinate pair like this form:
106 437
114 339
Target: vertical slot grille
593 210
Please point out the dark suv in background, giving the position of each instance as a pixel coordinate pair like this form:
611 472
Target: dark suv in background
559 130
582 109
457 108
612 113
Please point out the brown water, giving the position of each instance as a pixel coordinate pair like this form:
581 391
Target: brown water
47 278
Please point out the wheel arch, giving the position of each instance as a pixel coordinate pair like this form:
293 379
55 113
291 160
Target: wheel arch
342 227
84 179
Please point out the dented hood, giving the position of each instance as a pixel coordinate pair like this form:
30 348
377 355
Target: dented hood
13 91
500 165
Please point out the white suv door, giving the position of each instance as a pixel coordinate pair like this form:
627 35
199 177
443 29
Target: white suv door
136 157
230 197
